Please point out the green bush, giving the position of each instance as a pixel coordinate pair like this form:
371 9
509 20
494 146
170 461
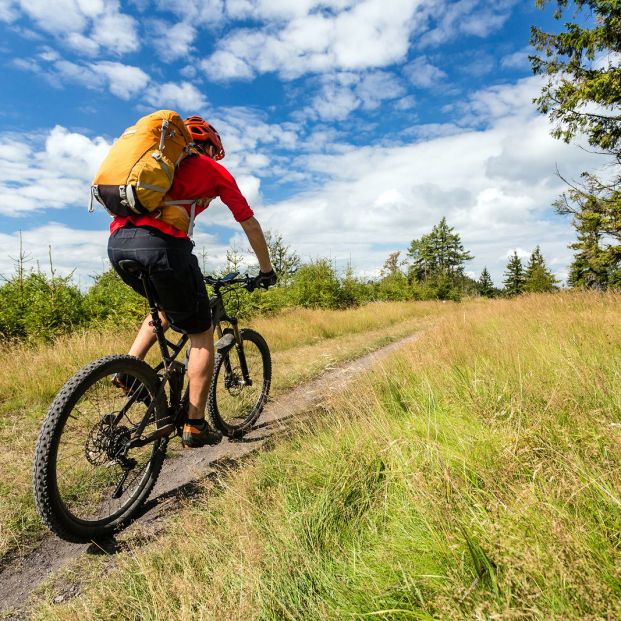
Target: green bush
36 307
316 285
111 300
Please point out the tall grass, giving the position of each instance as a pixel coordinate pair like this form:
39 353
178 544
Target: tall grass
303 344
476 475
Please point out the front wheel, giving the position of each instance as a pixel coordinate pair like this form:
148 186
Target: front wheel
235 401
88 477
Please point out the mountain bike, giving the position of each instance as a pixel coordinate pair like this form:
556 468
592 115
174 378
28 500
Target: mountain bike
101 448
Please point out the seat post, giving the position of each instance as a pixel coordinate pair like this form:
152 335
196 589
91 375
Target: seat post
156 322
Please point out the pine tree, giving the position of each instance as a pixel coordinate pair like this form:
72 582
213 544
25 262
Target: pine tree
538 279
438 254
514 276
583 96
486 285
597 261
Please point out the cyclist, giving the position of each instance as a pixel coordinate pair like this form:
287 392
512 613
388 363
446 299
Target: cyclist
160 242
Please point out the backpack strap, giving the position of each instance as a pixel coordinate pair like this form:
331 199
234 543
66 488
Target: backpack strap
187 201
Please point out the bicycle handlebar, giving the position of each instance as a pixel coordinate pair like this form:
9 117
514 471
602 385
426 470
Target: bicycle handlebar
246 281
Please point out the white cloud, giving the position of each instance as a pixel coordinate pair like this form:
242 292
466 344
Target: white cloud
173 41
208 13
521 253
471 17
517 60
342 93
182 96
7 11
495 102
86 26
82 43
70 248
56 177
116 32
423 74
298 40
607 60
124 81
495 186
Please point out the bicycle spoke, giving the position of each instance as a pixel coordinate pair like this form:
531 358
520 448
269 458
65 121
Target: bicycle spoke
88 472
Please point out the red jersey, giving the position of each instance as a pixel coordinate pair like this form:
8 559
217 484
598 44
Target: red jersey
197 177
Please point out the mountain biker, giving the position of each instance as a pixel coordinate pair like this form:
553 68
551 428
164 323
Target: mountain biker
160 242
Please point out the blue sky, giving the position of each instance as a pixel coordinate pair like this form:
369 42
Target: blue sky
352 126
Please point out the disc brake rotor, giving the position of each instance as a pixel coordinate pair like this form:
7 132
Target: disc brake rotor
105 441
233 382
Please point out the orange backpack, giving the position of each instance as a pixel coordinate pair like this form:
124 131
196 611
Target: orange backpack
140 166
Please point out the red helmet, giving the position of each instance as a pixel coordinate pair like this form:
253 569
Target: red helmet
201 131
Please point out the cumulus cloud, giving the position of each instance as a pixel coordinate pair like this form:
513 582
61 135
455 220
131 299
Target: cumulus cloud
8 12
495 185
182 96
342 93
423 74
124 81
173 41
86 26
517 60
79 251
471 17
302 38
34 180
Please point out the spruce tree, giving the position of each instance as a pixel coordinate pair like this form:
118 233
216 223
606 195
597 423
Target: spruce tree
486 285
514 276
538 278
583 96
438 254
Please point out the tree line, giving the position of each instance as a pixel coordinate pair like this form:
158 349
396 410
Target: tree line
35 305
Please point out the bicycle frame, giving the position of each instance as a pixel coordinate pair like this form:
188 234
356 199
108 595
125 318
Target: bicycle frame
169 352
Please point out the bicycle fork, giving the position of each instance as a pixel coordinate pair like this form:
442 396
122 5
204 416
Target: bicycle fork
224 344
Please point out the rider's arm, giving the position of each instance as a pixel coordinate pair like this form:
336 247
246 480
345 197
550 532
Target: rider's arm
253 231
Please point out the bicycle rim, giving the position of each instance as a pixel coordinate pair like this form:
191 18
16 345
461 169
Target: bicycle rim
91 481
235 404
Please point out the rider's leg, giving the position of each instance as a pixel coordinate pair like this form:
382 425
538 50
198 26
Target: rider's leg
196 431
146 337
200 370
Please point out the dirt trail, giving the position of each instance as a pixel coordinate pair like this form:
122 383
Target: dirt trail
178 479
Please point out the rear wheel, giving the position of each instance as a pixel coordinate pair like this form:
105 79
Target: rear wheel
234 403
87 479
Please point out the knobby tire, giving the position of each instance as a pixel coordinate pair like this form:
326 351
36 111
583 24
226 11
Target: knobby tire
51 505
223 401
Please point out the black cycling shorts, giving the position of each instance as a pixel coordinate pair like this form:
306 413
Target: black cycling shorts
174 274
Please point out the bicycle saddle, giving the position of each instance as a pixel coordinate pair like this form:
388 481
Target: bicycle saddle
132 267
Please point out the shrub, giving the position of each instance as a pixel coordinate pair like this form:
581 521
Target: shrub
110 299
36 307
316 285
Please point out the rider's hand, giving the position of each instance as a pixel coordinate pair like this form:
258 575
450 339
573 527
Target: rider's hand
265 279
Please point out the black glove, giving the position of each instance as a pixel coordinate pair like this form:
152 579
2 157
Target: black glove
265 279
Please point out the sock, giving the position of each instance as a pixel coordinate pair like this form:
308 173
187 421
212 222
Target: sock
197 422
